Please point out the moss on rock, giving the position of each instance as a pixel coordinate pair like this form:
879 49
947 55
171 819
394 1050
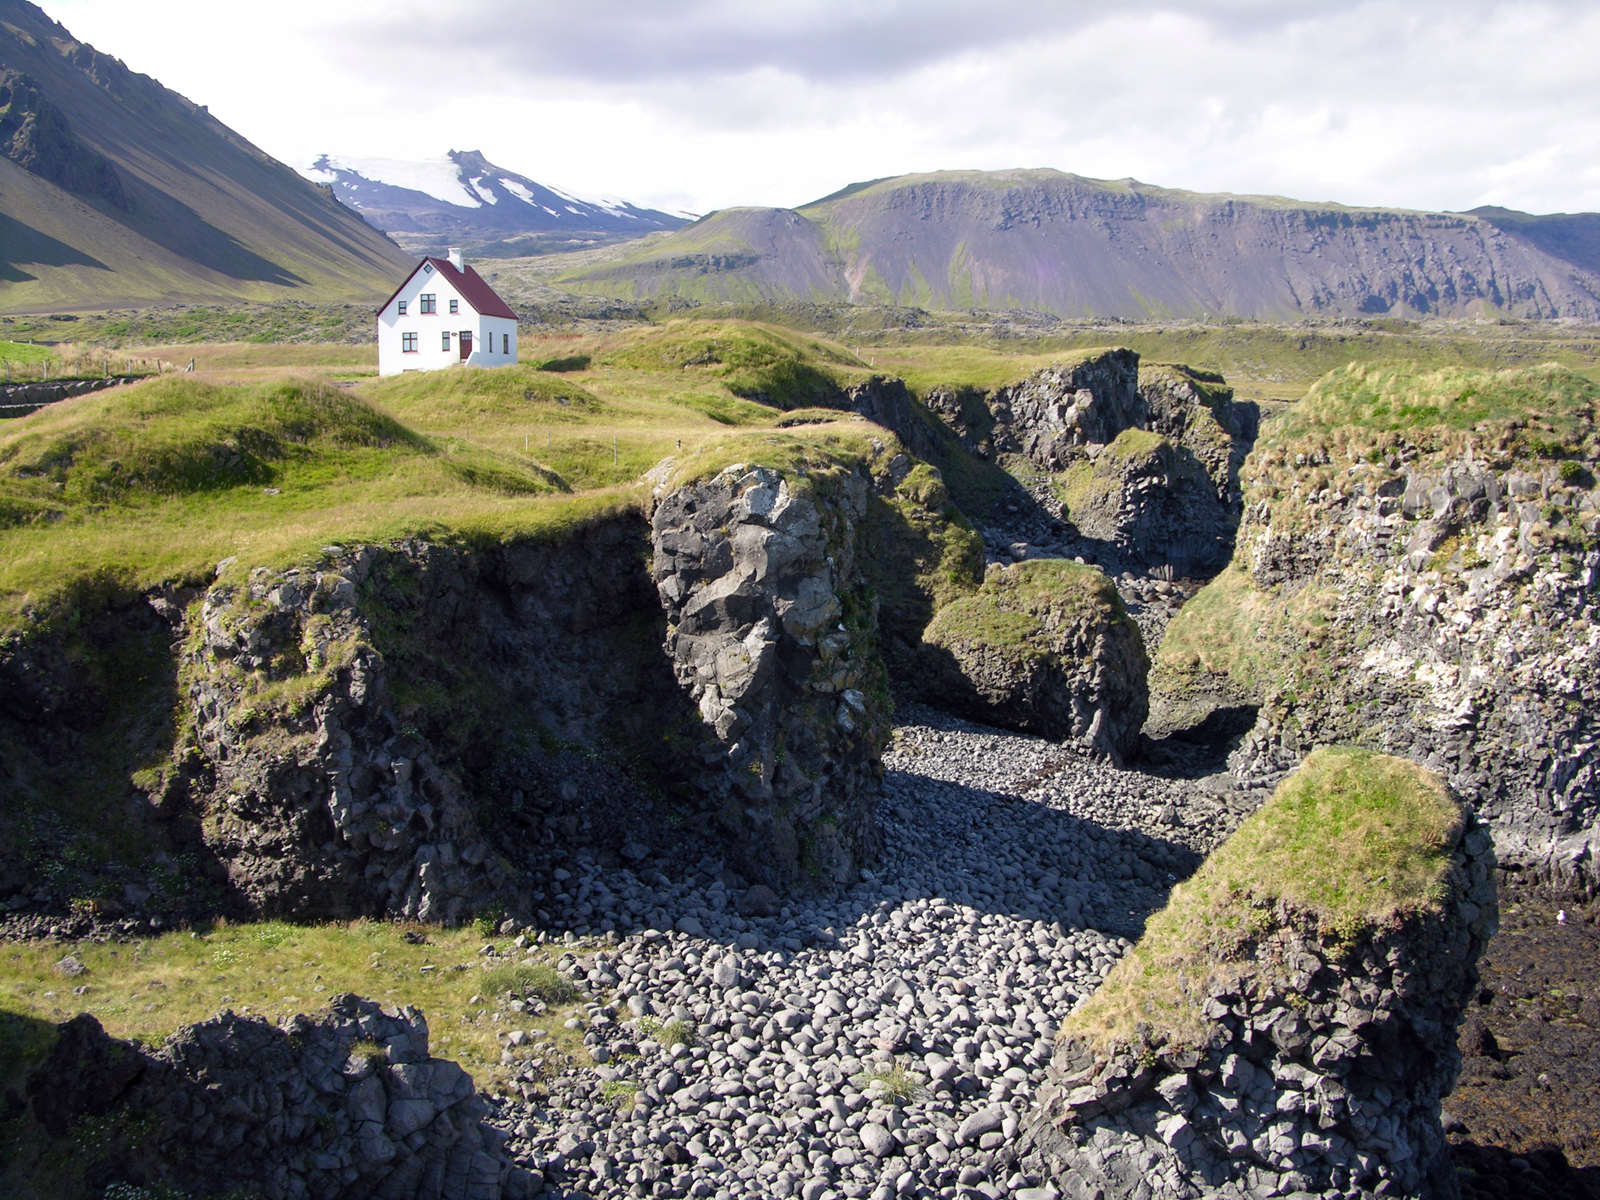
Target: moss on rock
1044 646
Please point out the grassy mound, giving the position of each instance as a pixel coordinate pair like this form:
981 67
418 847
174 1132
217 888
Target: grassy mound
160 482
1351 841
775 366
1547 400
1019 609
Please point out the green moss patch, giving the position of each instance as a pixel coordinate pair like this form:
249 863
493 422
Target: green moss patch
1018 607
1351 841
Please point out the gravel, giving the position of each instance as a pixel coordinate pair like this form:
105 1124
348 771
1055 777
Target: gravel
886 1042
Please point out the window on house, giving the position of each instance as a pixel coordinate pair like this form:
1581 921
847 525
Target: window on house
408 343
402 307
505 343
446 338
430 303
455 306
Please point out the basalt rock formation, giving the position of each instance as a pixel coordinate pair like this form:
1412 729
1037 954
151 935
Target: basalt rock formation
771 629
338 763
1141 464
1045 647
1421 580
427 731
346 1104
1259 1042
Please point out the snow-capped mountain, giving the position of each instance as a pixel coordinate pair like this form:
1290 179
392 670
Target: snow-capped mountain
463 195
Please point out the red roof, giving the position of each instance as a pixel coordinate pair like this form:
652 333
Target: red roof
483 298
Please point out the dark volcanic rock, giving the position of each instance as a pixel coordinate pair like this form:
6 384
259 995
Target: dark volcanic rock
1061 408
1317 1059
771 632
290 1112
1043 647
325 792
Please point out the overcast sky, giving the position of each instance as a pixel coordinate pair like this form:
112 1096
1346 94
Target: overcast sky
702 104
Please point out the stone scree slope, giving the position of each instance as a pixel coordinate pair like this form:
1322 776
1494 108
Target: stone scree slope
292 1113
771 632
1321 1068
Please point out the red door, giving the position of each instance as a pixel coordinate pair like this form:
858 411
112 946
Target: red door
466 344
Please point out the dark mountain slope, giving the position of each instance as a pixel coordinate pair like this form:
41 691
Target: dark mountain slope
115 190
1572 237
1060 243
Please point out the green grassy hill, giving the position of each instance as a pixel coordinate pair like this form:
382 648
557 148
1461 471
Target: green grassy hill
116 191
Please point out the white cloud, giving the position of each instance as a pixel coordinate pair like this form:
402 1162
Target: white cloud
707 103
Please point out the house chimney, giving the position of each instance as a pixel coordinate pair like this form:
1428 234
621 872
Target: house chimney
455 257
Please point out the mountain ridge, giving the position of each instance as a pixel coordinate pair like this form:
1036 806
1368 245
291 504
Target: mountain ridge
115 190
466 197
1055 242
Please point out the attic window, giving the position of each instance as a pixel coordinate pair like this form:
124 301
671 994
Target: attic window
455 306
402 307
430 303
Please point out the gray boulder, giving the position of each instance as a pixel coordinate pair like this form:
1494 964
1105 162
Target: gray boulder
771 632
1045 647
349 1103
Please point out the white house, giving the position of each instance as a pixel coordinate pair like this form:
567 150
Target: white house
444 314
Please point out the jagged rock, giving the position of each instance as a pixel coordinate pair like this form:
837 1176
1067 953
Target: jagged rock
1427 590
1152 502
1065 406
771 632
286 1112
1044 647
1288 1023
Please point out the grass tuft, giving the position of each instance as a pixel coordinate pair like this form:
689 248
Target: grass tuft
539 980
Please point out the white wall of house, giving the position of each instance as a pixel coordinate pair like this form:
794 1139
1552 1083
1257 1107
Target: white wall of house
434 340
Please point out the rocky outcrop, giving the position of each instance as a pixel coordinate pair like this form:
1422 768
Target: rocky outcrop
1257 1043
20 399
1139 464
1064 407
1045 647
770 629
1429 591
345 1104
1148 502
384 733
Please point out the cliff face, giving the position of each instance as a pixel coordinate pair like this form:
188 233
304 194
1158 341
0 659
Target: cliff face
1428 590
429 731
771 629
1060 243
